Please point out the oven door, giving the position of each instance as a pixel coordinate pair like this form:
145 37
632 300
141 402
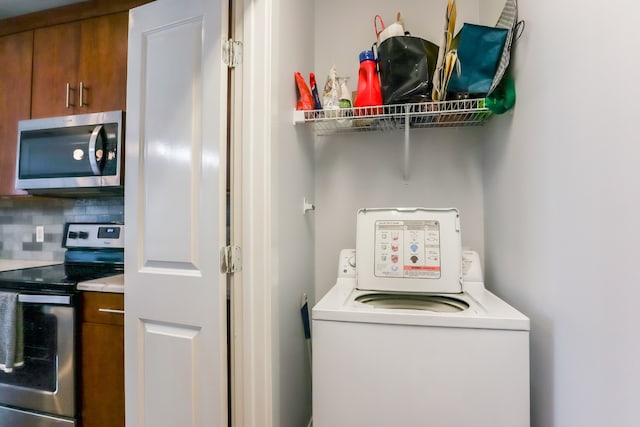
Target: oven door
45 383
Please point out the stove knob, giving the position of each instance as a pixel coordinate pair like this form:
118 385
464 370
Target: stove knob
73 235
83 235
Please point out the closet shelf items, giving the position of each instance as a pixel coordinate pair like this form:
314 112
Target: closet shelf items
466 112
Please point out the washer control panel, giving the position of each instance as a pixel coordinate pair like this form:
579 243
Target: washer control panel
409 250
471 266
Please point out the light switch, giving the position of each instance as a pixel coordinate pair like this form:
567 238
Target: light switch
39 234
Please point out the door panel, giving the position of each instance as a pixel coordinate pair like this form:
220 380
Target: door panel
175 324
164 345
174 148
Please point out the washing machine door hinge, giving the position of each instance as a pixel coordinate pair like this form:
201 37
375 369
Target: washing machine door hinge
230 259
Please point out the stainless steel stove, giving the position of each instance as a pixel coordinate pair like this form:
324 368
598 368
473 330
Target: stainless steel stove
39 387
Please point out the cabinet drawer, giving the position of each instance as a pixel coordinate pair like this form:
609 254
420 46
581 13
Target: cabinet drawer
103 307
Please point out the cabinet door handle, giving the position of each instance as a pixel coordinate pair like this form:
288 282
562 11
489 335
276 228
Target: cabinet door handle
67 103
110 310
81 96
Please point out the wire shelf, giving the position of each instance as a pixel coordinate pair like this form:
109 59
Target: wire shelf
466 112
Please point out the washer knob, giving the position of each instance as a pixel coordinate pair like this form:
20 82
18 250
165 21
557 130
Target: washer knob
347 263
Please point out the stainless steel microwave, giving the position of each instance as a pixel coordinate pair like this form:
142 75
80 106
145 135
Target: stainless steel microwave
71 155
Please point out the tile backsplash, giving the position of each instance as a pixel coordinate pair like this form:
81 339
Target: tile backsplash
20 216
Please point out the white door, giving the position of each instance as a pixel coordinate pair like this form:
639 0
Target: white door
176 130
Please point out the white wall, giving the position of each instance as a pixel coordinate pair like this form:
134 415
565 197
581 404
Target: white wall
561 208
549 190
365 170
291 152
445 169
345 28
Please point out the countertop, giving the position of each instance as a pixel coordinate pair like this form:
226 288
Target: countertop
14 264
105 284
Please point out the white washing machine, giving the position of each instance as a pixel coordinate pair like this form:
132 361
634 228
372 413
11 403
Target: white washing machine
409 336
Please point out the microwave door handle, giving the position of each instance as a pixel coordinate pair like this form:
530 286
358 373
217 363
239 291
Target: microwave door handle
92 150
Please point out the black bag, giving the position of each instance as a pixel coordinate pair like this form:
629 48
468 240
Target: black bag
406 66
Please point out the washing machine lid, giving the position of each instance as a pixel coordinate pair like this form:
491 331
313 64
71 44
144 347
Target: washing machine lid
409 250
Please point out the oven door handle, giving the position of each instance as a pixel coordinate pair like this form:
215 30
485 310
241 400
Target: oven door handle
45 299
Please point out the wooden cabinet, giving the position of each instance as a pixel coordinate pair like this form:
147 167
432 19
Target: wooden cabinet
102 360
80 67
103 65
15 101
41 53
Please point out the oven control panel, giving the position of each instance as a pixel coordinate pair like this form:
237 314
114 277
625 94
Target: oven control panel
93 235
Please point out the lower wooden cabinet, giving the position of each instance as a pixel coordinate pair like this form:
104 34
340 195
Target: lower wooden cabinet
102 360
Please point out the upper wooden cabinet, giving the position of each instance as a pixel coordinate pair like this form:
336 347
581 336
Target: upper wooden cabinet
15 102
80 67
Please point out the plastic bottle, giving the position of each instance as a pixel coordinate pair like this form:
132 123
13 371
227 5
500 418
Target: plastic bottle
305 99
314 91
369 93
330 95
345 95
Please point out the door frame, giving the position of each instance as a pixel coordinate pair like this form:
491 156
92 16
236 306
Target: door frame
252 358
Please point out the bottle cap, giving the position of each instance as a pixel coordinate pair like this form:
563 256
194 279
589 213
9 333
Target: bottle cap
367 55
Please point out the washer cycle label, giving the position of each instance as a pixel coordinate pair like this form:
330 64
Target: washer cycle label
407 249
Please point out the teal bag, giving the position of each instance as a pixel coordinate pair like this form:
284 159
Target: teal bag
479 52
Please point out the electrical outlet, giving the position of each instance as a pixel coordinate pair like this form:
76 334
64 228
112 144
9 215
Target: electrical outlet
40 234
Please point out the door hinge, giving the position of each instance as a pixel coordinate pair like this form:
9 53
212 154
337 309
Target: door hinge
230 259
232 53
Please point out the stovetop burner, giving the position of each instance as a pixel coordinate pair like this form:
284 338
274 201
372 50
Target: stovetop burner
93 251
